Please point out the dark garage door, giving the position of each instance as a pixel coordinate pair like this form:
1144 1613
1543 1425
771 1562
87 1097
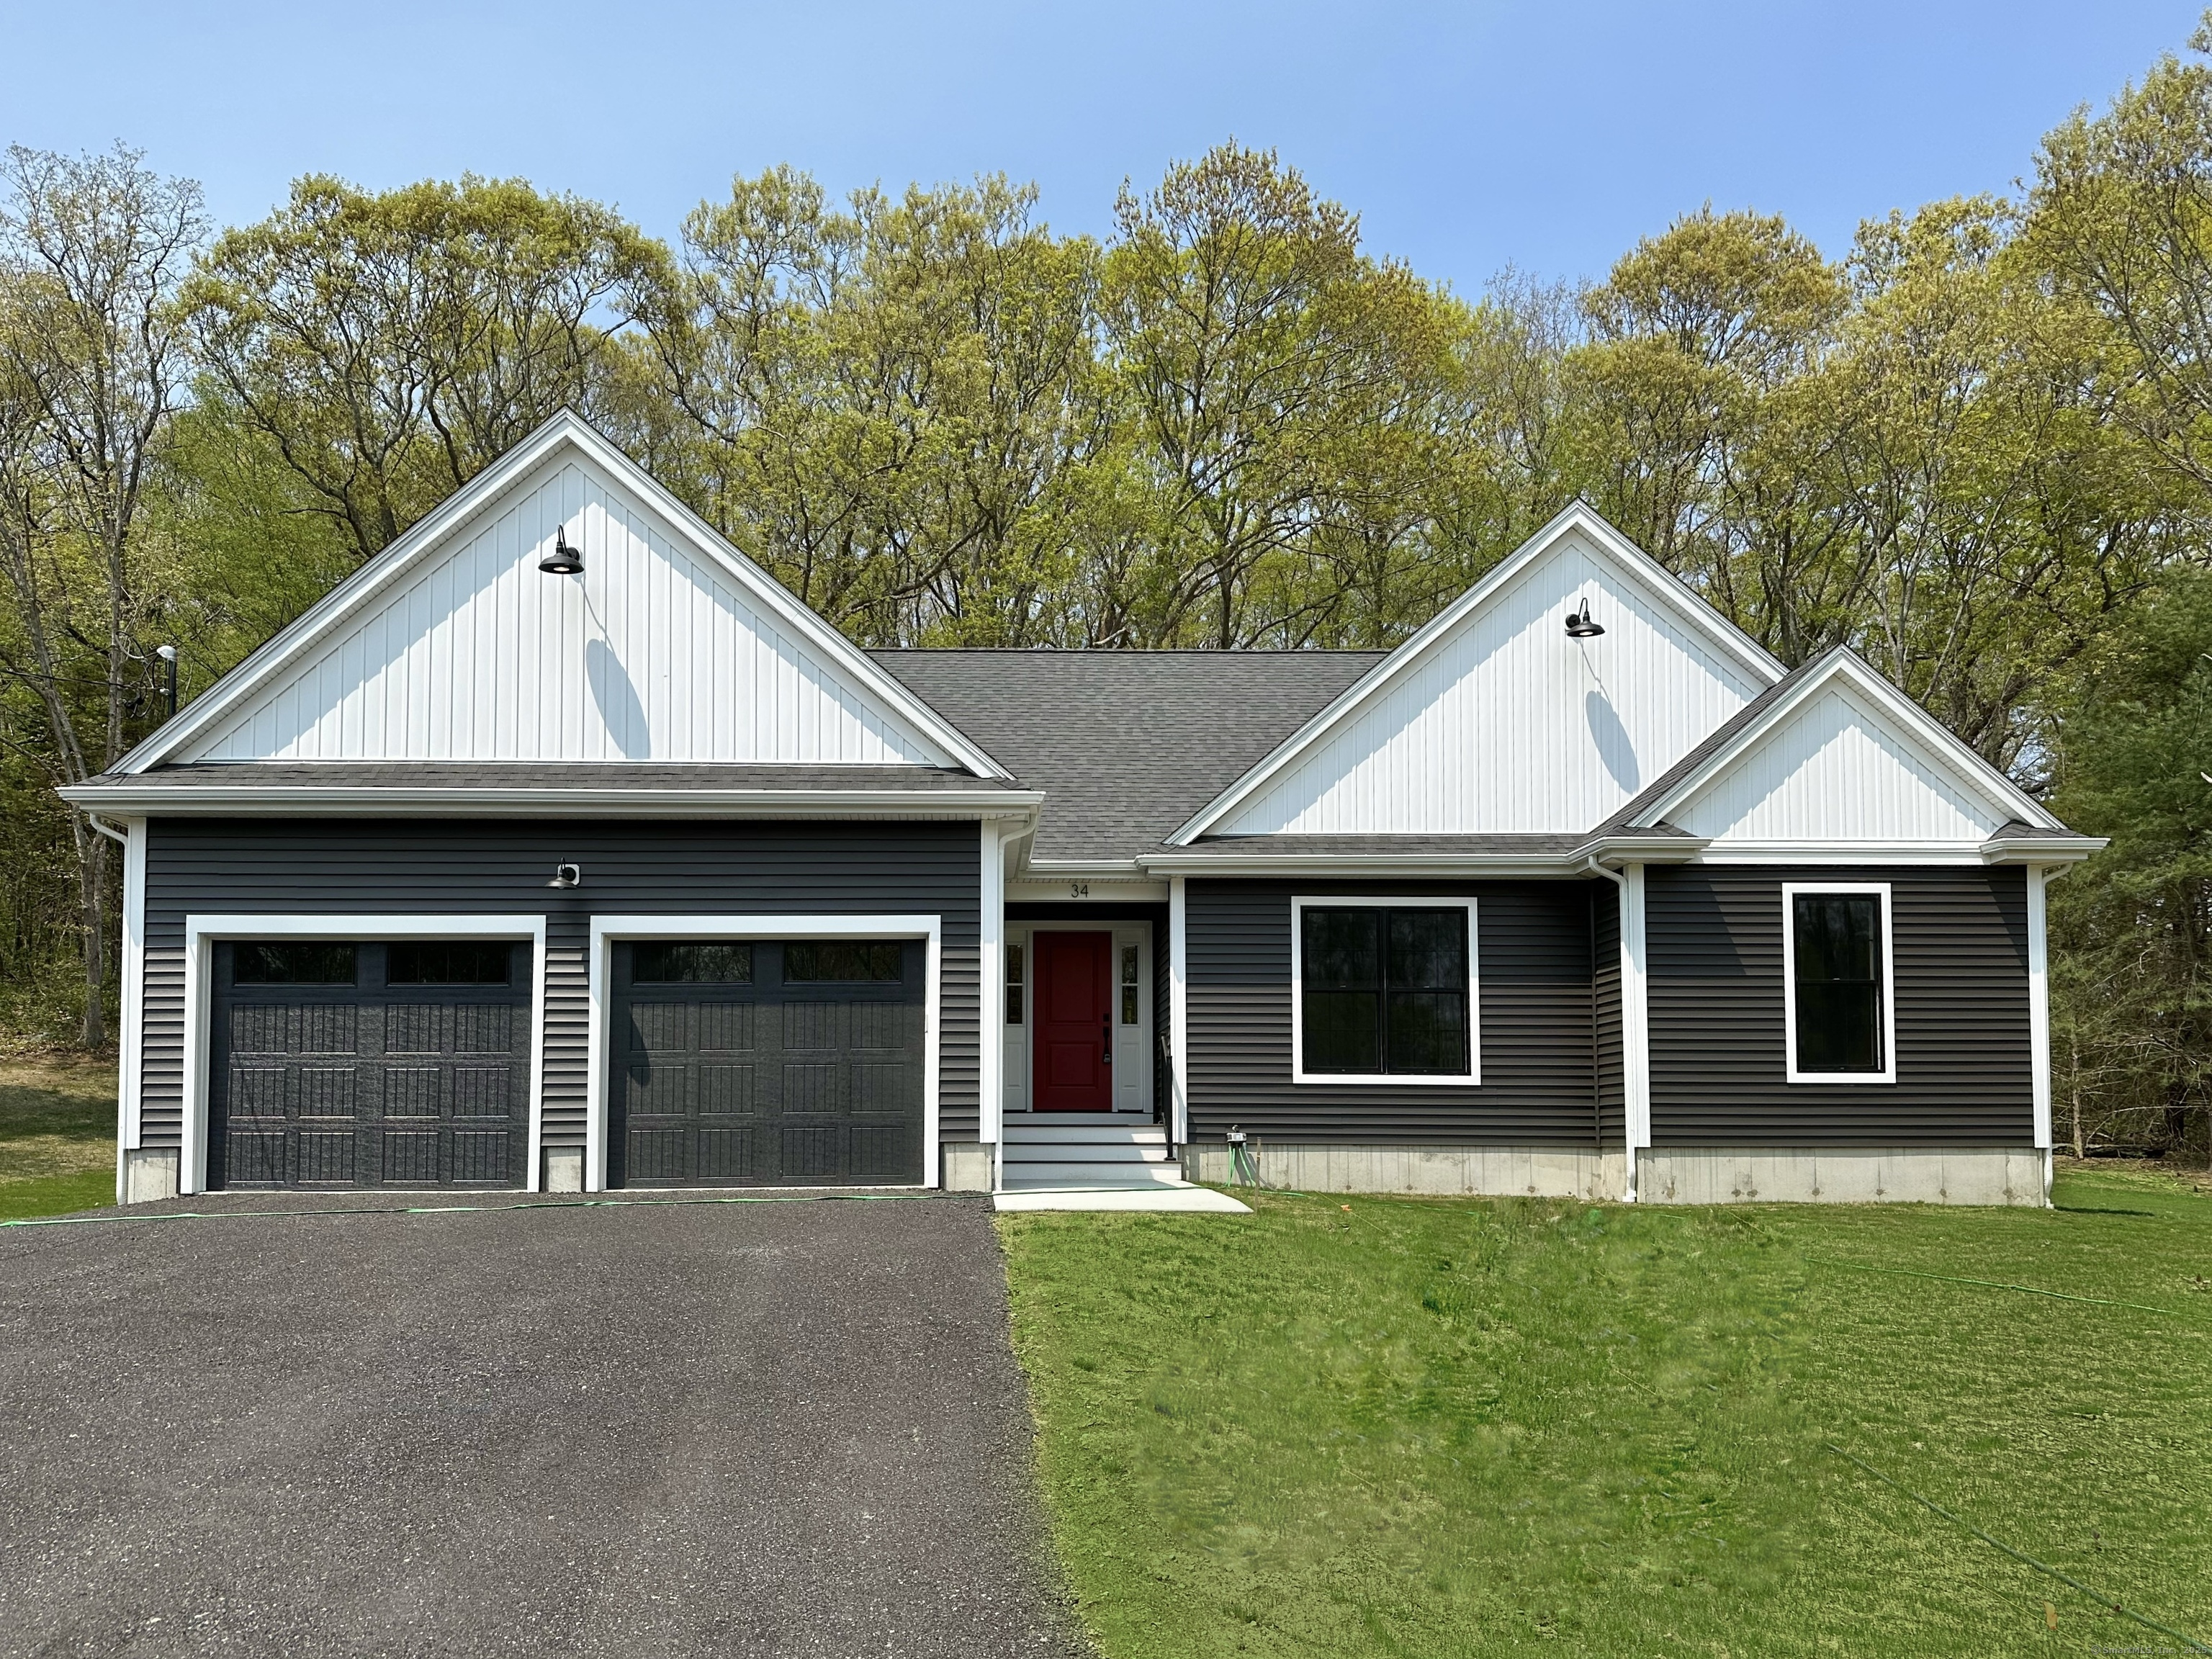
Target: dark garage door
340 1064
759 1062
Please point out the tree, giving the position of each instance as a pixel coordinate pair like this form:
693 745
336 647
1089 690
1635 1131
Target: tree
388 347
92 250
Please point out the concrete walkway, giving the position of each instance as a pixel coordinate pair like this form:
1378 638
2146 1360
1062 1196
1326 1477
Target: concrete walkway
787 1428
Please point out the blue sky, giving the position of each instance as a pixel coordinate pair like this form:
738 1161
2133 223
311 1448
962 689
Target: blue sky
1466 136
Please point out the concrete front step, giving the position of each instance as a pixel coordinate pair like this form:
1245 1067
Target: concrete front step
1139 1175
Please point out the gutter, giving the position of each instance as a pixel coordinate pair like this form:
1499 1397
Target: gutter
223 799
1574 861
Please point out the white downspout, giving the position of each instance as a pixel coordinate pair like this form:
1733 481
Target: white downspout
130 1045
2039 1016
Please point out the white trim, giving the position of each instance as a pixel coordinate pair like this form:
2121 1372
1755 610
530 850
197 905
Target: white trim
605 929
1662 584
1471 1077
225 798
201 931
991 1060
1843 852
131 1041
1965 766
2038 1006
1635 1023
1179 1009
1790 889
565 426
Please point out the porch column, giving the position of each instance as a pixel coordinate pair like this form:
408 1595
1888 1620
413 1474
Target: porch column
1634 1022
1179 1012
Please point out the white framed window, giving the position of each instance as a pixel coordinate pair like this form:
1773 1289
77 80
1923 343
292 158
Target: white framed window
1839 982
1385 990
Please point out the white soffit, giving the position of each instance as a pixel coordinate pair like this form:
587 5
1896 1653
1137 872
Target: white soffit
454 646
1847 759
1492 720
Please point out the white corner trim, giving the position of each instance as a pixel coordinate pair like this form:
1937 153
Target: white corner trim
566 428
605 929
2038 1006
1471 1077
1635 1024
1790 889
201 931
131 1041
1661 583
1179 1007
991 1061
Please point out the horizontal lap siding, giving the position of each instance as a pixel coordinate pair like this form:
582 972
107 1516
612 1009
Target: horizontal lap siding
1718 1060
1535 1023
333 866
1611 1072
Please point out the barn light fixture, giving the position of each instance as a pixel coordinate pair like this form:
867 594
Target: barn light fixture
563 560
566 876
1580 627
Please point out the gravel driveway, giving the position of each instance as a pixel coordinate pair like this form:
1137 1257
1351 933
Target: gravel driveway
773 1428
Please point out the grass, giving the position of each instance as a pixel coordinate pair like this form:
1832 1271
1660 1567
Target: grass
57 1136
1423 1427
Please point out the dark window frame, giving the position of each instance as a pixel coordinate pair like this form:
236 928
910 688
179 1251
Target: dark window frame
1883 1019
1471 1076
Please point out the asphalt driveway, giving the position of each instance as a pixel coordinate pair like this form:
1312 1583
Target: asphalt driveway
787 1428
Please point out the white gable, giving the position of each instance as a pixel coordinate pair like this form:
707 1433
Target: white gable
1840 766
1502 724
661 650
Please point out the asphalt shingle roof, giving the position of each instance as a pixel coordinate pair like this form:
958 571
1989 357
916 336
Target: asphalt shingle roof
1127 744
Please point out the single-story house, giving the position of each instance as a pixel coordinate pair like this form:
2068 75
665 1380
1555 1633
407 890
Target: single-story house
561 849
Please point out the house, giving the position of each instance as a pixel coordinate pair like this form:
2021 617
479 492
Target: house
561 849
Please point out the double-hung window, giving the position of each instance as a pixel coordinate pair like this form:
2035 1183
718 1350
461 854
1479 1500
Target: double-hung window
1383 990
1839 996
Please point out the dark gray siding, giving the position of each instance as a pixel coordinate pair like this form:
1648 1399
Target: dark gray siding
1718 1058
1605 955
1539 1067
203 866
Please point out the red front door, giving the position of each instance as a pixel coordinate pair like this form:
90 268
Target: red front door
1073 1012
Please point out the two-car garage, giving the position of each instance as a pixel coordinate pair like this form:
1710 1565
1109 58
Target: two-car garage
366 1063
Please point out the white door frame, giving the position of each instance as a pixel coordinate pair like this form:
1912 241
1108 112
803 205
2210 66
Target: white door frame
1023 932
607 929
201 933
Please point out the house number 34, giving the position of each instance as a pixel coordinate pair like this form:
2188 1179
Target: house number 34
1078 890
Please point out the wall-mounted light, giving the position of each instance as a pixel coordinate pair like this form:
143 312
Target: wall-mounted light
566 876
563 560
1580 627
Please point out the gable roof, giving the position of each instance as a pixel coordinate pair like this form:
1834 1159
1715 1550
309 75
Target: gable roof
1651 580
1769 713
924 734
1125 744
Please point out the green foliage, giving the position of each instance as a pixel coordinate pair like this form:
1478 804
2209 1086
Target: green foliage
1405 1426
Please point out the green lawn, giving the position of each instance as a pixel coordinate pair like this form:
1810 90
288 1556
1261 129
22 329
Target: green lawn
1426 1427
57 1136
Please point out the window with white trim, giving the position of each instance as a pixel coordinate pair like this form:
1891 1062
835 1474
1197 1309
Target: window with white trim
1383 990
1840 993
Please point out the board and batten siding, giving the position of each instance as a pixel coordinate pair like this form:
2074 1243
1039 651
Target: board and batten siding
1714 936
1503 724
1539 1065
328 866
653 653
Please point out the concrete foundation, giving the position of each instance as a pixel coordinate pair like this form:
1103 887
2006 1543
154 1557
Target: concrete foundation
564 1169
1440 1171
967 1167
2002 1174
150 1173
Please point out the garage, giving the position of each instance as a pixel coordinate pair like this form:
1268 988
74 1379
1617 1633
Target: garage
343 1064
750 1062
